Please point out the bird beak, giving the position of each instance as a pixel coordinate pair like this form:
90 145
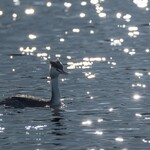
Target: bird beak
64 72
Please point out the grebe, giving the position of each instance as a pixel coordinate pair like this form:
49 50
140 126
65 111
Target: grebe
22 101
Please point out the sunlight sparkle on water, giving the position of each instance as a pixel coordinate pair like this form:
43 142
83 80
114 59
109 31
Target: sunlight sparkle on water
128 51
68 57
16 2
42 54
133 28
14 15
136 97
98 132
79 65
138 115
89 75
66 32
48 4
62 40
118 15
83 3
147 118
32 36
77 30
147 50
111 109
102 15
38 127
90 21
100 120
127 17
82 15
91 31
94 2
13 70
133 31
139 85
92 59
67 5
116 42
87 92
11 57
48 48
27 50
87 123
121 26
91 97
29 11
2 129
138 74
57 55
98 8
141 3
146 141
1 12
119 139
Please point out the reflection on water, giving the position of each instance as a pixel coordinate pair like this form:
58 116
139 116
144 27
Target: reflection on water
98 8
119 139
48 4
87 122
105 47
43 132
29 11
133 31
86 63
1 12
32 36
59 129
136 97
141 3
2 129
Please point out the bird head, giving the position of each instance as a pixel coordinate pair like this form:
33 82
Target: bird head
56 68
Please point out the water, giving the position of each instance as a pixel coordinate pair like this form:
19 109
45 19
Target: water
104 46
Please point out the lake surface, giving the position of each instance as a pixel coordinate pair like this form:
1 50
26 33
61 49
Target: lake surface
105 47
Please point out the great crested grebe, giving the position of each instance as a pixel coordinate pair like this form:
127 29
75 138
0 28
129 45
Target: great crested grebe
22 101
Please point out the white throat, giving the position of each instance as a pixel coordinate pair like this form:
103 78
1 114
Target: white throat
55 97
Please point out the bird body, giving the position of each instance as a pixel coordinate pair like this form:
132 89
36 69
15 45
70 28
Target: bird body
22 101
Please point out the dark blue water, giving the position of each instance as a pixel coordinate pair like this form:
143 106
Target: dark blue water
104 45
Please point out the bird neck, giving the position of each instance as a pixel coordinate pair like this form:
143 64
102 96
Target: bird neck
55 97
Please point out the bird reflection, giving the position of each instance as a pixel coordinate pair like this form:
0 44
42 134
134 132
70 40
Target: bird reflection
58 128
